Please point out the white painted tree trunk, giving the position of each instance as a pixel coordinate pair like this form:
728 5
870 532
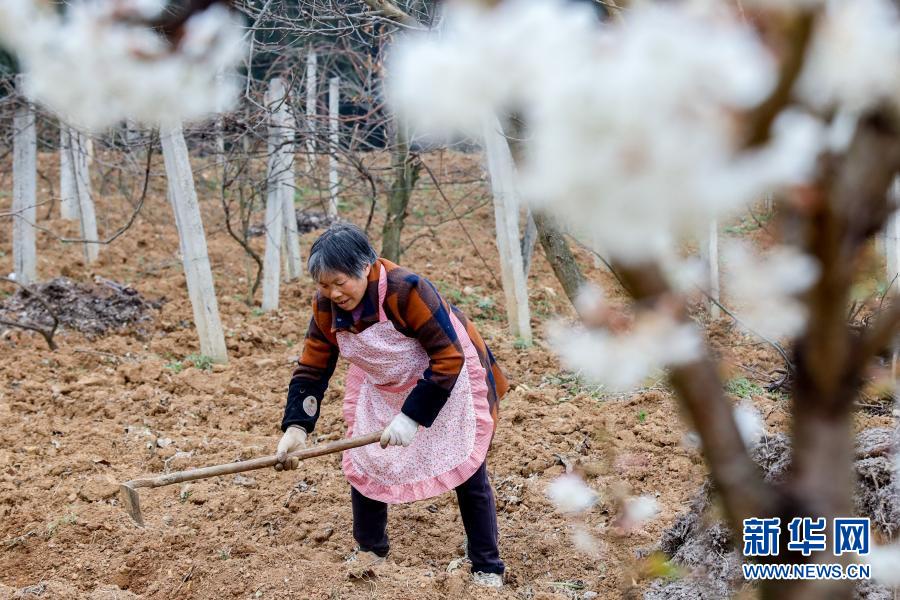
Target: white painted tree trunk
293 266
528 241
334 91
709 253
220 128
88 143
132 133
192 241
68 192
24 202
506 214
274 223
78 143
311 96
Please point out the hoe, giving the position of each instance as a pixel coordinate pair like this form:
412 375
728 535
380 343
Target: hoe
132 503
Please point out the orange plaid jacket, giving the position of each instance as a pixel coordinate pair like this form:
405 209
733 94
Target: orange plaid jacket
417 310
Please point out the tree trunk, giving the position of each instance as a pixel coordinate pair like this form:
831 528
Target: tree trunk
87 216
406 174
334 91
820 484
528 240
556 249
192 241
709 254
311 95
24 192
506 217
560 257
68 192
274 225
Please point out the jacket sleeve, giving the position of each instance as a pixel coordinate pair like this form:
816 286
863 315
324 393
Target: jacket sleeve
424 315
314 369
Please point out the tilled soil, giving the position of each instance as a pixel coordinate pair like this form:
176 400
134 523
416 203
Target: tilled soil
104 409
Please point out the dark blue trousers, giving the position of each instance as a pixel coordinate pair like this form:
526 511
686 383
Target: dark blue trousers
479 517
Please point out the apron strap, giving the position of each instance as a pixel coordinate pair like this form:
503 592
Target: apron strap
382 293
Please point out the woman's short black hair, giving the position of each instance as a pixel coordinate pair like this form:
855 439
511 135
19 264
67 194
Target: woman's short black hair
343 248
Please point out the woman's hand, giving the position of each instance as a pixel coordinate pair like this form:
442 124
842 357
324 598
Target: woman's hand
293 439
400 432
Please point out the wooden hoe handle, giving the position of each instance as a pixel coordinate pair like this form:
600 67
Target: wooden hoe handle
252 464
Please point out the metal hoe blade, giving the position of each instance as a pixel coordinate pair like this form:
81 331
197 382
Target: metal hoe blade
131 502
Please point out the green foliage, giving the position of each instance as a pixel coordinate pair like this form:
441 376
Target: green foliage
572 384
175 366
659 565
303 194
201 361
53 526
749 224
473 304
257 312
743 388
485 303
542 307
642 416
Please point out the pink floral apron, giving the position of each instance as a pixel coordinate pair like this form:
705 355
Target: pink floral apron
385 366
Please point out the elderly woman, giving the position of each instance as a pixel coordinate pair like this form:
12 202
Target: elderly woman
418 370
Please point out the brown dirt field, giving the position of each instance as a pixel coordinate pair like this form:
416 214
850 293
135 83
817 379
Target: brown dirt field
75 422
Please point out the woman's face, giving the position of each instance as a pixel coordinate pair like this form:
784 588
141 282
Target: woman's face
344 290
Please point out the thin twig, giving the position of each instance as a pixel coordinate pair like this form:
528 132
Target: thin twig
47 335
458 220
738 320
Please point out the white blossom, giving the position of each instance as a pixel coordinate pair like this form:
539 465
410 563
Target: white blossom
749 423
482 62
766 287
95 70
840 131
750 426
145 8
589 299
640 509
584 541
621 361
854 58
884 561
686 275
692 441
570 494
631 137
783 5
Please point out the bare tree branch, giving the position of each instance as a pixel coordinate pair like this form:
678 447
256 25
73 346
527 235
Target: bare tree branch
46 334
737 478
800 30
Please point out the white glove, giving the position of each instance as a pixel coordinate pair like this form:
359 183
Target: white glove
293 439
400 432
